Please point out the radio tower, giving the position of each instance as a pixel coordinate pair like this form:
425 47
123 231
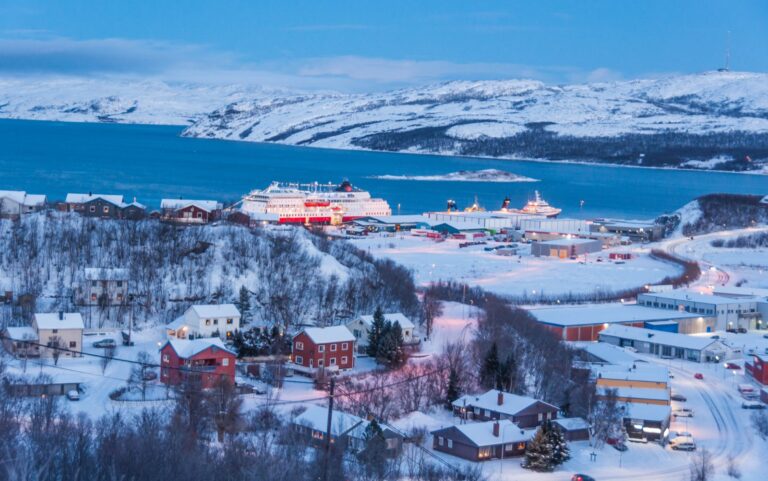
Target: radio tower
727 67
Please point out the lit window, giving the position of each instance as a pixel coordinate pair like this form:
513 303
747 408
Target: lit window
225 362
450 443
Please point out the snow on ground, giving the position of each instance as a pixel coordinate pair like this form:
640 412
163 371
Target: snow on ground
515 275
707 164
456 323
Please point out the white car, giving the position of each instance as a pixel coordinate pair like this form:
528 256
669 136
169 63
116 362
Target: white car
683 413
683 443
73 395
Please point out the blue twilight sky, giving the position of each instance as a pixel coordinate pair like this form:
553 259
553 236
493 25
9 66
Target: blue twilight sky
372 45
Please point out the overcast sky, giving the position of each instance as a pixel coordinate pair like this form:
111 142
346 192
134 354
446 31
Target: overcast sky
372 45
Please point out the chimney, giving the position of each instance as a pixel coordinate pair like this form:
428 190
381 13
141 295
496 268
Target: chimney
500 399
496 429
90 194
61 315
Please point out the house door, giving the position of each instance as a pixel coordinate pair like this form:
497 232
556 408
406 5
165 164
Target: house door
311 362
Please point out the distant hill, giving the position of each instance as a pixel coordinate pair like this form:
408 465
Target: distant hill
713 120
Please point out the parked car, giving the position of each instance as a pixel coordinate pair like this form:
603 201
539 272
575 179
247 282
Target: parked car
765 336
582 477
731 365
683 413
698 375
104 343
683 443
678 397
715 337
742 330
149 375
73 395
752 405
620 447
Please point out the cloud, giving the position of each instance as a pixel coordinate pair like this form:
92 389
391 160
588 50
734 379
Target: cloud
48 55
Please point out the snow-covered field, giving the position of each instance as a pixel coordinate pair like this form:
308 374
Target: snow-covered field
515 275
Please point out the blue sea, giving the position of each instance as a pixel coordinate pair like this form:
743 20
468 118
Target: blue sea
153 162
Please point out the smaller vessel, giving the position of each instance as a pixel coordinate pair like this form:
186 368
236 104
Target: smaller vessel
539 206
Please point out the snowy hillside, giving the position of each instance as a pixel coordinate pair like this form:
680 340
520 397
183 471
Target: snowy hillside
123 101
669 121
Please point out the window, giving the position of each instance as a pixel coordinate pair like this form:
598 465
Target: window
225 361
344 359
119 297
333 361
215 322
119 283
299 346
440 440
541 417
93 208
93 283
72 344
333 347
450 443
165 358
320 362
106 209
199 215
93 297
229 334
321 348
299 360
55 331
230 321
344 346
207 322
484 452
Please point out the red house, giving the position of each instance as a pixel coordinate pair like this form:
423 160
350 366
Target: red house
204 361
331 348
190 211
757 367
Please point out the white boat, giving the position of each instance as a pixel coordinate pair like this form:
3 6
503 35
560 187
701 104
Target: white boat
314 203
537 206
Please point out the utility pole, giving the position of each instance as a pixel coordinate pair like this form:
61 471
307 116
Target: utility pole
328 431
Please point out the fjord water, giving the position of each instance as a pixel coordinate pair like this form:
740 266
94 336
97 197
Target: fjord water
152 162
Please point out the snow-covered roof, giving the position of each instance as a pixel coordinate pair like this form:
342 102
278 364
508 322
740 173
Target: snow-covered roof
511 403
324 335
567 242
22 333
215 310
316 418
658 337
187 348
481 434
608 353
417 420
638 393
397 219
21 197
604 314
647 412
208 205
82 198
572 424
732 291
50 320
106 274
642 372
693 296
178 323
393 317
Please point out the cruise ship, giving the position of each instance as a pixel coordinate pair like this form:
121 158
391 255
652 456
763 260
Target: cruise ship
537 206
314 203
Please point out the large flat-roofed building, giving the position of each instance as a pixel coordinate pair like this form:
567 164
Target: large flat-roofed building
565 248
584 323
487 220
637 231
729 312
666 344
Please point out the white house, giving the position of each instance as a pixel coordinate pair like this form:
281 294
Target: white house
361 326
206 320
62 330
14 203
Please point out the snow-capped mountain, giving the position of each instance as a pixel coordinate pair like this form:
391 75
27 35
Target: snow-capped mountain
720 115
115 100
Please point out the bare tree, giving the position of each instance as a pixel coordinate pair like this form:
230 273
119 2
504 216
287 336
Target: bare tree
432 309
54 343
702 468
606 418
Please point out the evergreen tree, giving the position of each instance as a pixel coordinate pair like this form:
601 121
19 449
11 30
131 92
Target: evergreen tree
507 375
244 305
373 455
453 392
560 451
375 333
539 452
490 370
